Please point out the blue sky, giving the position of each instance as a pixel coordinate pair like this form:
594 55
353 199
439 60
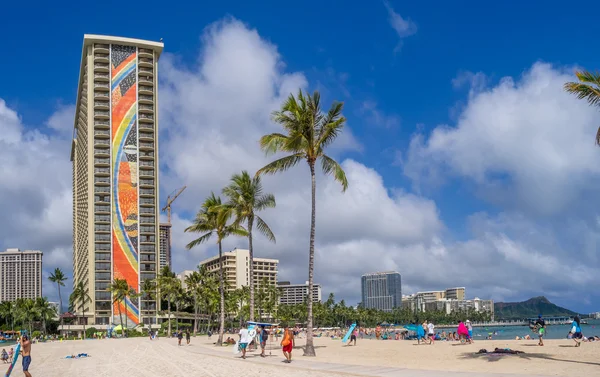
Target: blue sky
405 70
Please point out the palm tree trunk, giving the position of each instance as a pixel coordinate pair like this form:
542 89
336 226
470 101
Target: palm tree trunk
125 305
60 307
251 266
176 320
195 313
121 318
169 310
309 349
83 309
222 293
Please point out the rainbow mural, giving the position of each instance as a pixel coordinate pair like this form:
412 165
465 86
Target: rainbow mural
124 150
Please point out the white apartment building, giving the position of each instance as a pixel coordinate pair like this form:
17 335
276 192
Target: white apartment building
237 270
292 294
20 274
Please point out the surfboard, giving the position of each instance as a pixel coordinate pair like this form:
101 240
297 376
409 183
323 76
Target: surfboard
10 368
345 339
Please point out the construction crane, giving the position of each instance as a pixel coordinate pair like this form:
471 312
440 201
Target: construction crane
170 199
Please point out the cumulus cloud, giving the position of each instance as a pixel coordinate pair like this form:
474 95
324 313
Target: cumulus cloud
525 141
404 27
35 191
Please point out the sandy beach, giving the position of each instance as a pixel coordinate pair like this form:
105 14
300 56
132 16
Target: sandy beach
142 357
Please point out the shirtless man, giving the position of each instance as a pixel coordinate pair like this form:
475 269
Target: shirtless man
26 352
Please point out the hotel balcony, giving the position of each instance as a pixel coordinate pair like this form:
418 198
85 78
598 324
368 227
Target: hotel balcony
146 192
146 118
145 98
146 80
146 126
101 58
146 145
101 48
101 76
143 89
144 155
144 108
103 143
101 95
101 172
101 161
146 172
101 67
146 71
102 124
102 209
145 53
101 86
102 133
101 190
100 105
146 136
147 202
102 219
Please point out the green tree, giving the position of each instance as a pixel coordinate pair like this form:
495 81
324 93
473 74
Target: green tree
246 197
587 88
79 298
59 278
212 220
307 133
193 285
120 290
167 286
44 310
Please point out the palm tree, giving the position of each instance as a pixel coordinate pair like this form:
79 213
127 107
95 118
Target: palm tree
79 299
587 88
246 197
308 132
120 289
212 219
59 278
167 285
7 310
44 310
192 283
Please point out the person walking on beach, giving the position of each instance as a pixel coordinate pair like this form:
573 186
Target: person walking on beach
577 336
287 343
541 325
431 332
244 340
469 330
353 336
264 335
26 349
187 337
179 337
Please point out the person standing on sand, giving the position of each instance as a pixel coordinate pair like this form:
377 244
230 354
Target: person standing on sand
353 336
541 324
179 337
187 337
287 343
26 349
431 332
244 340
264 335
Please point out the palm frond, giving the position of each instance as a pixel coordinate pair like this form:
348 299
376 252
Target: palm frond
264 229
584 91
281 165
273 143
202 239
265 201
589 77
331 167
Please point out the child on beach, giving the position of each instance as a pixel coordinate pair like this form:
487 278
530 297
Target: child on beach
577 336
541 325
4 356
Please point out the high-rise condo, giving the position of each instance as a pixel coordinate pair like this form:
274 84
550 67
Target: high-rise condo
115 175
381 290
20 274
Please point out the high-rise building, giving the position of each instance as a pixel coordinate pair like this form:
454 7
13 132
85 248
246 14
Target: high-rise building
455 293
20 274
115 174
292 294
381 290
236 268
164 258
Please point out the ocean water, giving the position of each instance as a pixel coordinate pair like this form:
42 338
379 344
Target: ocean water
552 331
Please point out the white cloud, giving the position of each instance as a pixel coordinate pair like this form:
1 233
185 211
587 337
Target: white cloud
376 117
404 27
524 138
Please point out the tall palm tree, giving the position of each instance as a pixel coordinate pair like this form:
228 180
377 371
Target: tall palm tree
307 133
212 220
120 289
587 88
167 286
245 197
193 285
59 278
44 310
79 298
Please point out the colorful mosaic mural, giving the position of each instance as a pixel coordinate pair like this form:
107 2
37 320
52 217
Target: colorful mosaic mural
124 152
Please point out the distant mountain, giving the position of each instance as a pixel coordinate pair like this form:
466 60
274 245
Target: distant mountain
530 309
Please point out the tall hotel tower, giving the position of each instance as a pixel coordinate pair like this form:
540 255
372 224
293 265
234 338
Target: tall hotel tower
115 175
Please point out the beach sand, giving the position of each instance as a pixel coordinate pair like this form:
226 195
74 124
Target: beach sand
142 357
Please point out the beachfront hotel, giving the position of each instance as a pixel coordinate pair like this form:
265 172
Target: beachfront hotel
20 274
236 269
292 294
381 290
115 175
164 250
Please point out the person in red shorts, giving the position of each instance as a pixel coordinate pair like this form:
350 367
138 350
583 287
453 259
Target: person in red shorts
287 343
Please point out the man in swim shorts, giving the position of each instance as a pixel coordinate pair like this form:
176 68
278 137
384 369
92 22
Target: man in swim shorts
287 343
541 324
26 345
244 340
